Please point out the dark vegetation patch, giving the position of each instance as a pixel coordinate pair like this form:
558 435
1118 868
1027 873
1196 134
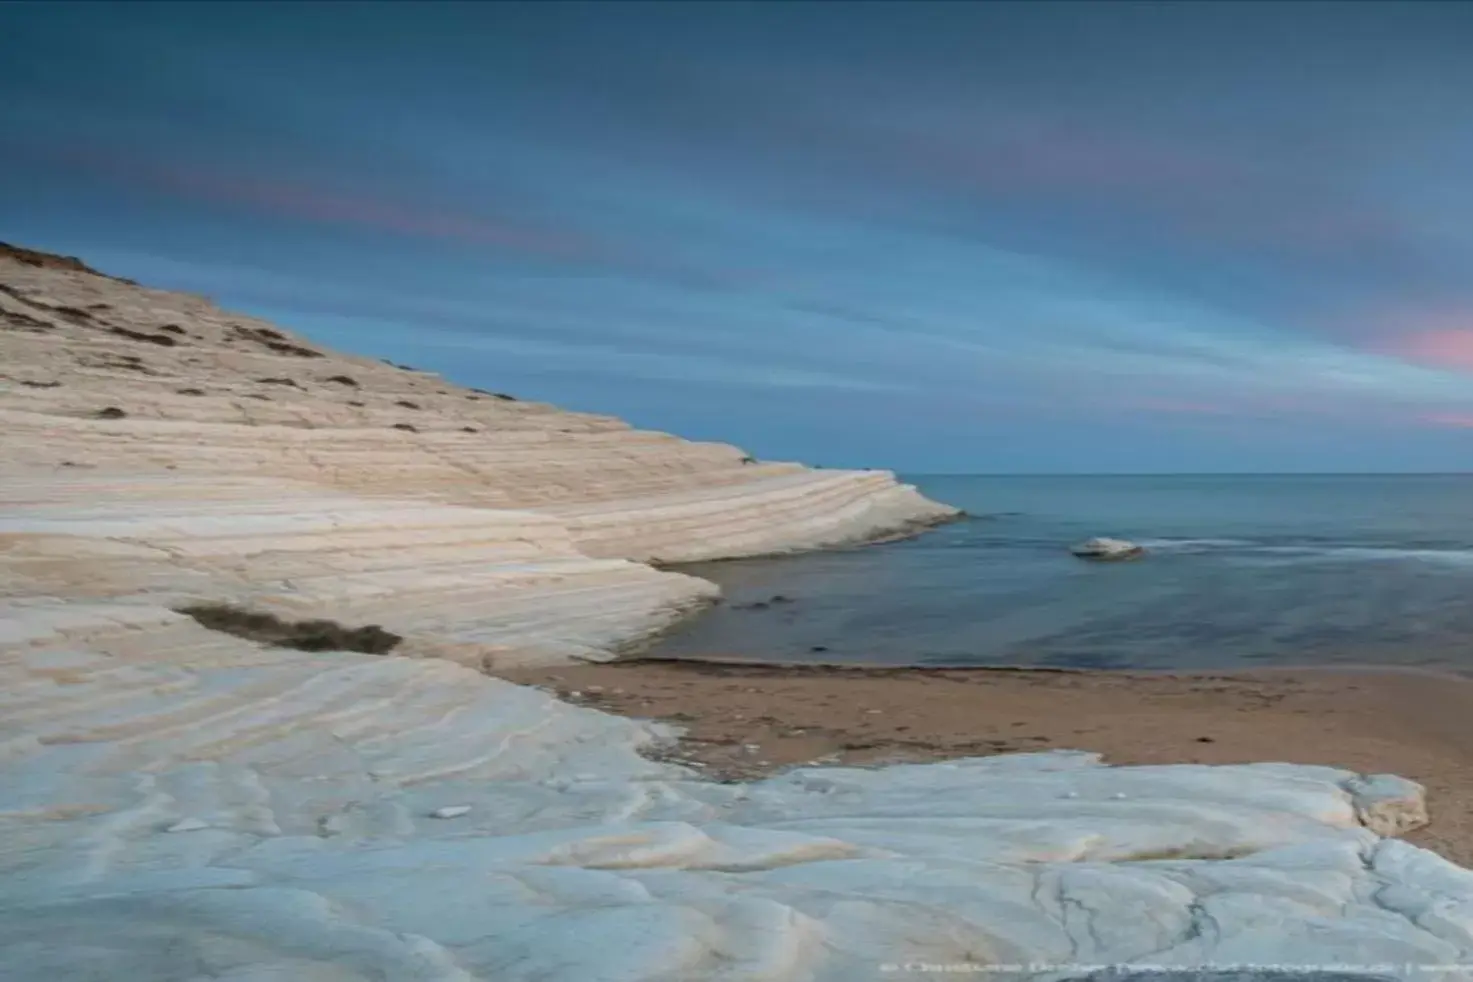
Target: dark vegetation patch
274 340
313 635
110 412
258 395
115 362
41 385
296 350
496 395
749 460
99 306
474 398
191 392
402 368
49 260
407 404
162 340
19 321
279 381
347 380
74 314
469 429
173 329
406 426
360 405
130 363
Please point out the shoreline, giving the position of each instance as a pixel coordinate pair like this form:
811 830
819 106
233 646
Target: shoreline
744 719
283 809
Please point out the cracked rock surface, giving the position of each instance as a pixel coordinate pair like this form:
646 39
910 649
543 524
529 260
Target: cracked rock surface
197 806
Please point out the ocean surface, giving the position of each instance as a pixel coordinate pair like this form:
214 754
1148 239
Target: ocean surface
1242 572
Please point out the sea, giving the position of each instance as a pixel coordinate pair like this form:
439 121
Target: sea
1240 572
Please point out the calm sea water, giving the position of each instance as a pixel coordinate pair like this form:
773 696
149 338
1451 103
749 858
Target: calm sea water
1242 571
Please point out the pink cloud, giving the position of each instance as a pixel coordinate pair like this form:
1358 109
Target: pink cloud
1436 347
305 202
1457 420
1215 194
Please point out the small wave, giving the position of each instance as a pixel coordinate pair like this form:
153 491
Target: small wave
1193 545
1454 557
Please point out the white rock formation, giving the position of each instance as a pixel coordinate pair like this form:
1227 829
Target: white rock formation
180 805
1106 548
208 455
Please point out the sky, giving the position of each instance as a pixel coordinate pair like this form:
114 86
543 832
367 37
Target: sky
949 238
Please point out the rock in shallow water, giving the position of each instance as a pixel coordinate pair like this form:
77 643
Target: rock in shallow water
1106 549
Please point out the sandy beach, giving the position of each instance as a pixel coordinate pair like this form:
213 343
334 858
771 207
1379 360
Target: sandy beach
744 719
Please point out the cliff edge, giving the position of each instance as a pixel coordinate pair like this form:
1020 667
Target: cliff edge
229 460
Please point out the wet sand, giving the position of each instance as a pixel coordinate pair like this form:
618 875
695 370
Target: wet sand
746 719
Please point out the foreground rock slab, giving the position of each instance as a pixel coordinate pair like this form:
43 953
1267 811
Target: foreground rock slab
194 806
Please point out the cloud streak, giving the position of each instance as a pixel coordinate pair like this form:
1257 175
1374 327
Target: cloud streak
887 221
1448 348
302 202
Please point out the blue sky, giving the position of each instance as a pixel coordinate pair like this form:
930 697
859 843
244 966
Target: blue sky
938 238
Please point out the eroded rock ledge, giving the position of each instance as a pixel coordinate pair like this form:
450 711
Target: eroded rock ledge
158 445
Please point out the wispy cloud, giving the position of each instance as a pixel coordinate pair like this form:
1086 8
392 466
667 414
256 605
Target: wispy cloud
1449 348
1457 420
299 201
883 220
550 357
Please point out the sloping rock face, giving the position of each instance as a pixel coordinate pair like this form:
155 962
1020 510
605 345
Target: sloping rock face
216 456
180 804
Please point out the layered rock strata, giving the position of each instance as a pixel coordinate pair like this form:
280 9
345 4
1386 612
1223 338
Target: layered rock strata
215 456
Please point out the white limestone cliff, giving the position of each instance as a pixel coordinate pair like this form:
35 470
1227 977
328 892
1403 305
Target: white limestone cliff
229 460
181 805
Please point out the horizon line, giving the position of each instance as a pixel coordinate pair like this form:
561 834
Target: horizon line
1467 473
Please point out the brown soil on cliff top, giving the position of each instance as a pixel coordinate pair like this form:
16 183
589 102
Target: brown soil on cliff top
49 260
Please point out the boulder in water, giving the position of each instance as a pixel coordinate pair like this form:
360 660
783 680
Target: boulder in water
1106 549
